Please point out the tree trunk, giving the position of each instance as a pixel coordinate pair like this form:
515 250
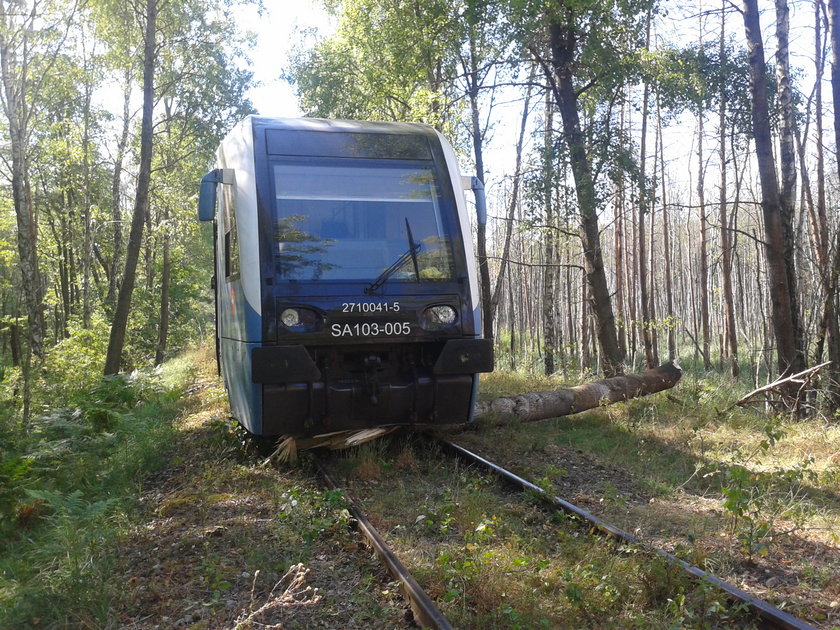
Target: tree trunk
563 42
704 255
585 356
653 285
87 254
666 243
790 357
481 230
549 289
618 249
163 329
787 160
619 255
643 210
141 199
787 153
730 331
512 325
834 30
14 343
14 73
563 402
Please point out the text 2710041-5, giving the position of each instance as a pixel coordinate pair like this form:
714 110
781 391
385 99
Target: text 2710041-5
370 307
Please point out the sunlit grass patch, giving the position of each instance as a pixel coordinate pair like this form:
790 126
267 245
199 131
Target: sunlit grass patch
506 383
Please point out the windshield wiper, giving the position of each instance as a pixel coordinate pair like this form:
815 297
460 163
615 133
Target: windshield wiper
410 254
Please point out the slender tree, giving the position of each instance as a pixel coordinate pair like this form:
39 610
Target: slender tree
119 325
729 330
643 210
777 225
549 275
581 37
830 316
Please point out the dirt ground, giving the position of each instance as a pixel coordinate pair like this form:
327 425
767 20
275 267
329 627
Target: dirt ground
222 547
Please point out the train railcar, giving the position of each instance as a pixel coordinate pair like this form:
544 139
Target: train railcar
345 286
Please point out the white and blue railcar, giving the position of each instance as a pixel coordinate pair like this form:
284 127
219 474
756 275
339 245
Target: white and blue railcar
345 285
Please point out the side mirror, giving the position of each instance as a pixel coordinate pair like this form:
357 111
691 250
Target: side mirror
480 200
207 191
207 195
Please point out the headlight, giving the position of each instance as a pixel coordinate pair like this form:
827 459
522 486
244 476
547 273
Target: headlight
439 317
290 317
299 319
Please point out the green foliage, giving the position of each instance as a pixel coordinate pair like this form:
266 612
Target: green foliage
697 76
213 571
68 484
313 514
84 180
74 365
387 61
404 61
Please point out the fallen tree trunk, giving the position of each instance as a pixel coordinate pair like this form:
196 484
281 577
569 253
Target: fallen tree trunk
802 379
563 402
521 408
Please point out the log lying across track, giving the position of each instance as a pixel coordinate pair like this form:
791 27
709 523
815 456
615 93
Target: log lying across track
564 402
521 408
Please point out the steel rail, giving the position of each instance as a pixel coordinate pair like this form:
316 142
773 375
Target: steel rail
762 608
426 614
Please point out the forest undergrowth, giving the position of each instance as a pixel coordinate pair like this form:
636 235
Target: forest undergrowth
751 496
69 489
139 504
136 503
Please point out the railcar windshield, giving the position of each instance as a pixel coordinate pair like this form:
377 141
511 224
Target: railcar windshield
353 220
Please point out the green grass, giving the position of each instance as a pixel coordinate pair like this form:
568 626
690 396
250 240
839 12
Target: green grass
69 491
492 559
739 487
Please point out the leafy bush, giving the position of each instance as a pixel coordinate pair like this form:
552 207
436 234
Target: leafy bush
74 365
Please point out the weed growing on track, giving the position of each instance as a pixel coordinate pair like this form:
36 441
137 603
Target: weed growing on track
753 497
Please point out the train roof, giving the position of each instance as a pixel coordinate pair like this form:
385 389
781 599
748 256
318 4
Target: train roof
326 125
290 136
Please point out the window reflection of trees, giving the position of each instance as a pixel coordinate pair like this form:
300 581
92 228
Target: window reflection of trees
299 252
394 146
433 259
420 185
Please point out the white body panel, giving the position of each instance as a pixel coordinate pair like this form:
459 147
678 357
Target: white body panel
466 229
238 149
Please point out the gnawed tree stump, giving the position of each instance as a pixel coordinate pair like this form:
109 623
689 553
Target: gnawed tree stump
563 402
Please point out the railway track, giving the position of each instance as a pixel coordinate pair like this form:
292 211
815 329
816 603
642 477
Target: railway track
428 615
771 615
